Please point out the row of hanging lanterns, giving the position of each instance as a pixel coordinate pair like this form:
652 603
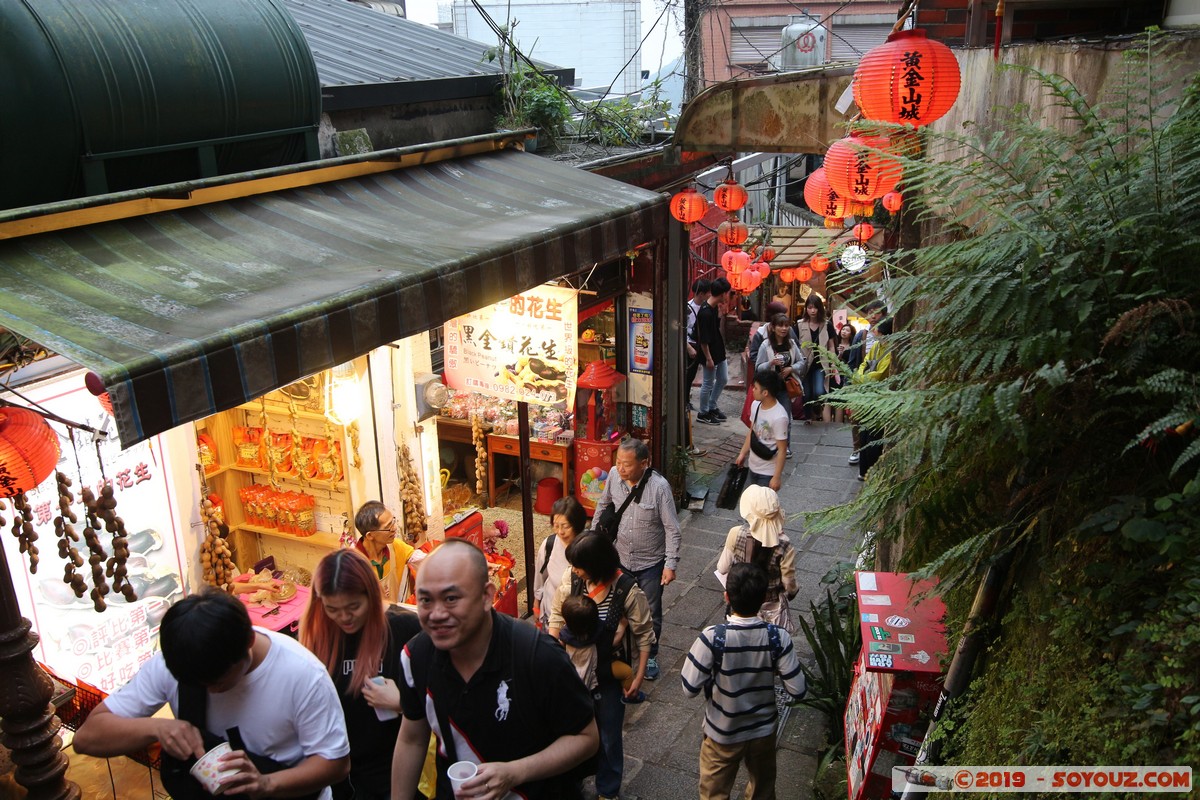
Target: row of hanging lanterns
908 80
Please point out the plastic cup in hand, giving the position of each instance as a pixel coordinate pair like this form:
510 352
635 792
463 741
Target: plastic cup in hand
460 772
384 714
209 773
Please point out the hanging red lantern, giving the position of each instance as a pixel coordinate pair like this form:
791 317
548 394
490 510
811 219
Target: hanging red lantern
733 232
105 401
688 206
864 231
730 196
893 201
819 263
909 79
857 172
787 275
28 450
820 197
804 274
754 280
768 254
763 268
735 262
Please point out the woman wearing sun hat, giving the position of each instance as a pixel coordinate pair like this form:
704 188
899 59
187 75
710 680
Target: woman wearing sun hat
761 540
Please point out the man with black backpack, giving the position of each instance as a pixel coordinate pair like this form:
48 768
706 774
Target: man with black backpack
479 681
735 665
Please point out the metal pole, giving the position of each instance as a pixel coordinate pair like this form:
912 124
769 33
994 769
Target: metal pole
527 489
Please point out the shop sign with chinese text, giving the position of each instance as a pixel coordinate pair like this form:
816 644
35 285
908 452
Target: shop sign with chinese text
524 348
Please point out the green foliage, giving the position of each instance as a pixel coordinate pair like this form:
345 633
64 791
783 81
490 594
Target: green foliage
1046 407
835 637
533 99
625 121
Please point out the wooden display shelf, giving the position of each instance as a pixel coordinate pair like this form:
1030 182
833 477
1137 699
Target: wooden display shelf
282 411
291 478
319 539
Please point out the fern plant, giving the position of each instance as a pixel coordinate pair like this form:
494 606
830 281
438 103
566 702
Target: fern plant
1050 375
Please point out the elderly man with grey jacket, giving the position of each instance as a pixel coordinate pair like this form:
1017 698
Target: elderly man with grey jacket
648 534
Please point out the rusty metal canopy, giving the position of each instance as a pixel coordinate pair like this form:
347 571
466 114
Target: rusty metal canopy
792 112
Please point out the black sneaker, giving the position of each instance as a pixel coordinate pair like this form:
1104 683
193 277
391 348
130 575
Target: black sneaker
708 419
716 412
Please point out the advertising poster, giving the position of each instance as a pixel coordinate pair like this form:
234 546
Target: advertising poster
524 348
104 648
641 341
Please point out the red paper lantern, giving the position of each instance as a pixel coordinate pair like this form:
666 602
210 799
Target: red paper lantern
763 268
909 79
821 198
729 196
858 173
768 254
804 274
753 280
688 206
735 262
28 450
787 275
105 403
733 232
893 201
864 231
819 263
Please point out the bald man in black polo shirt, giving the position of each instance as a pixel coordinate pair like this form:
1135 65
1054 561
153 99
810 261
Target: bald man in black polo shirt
484 675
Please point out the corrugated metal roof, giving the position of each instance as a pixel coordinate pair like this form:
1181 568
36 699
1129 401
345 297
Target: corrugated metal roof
353 45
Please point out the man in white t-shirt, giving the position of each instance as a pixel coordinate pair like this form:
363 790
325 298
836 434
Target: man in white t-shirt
769 425
268 686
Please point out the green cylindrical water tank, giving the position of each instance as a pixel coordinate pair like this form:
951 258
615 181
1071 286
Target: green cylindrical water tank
84 82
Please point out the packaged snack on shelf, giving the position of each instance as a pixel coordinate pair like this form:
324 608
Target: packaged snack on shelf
247 443
206 450
279 450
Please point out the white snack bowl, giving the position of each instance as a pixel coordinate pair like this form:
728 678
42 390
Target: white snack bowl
208 772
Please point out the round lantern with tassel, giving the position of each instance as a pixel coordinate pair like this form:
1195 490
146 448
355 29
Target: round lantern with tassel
768 254
863 231
733 232
28 450
860 174
820 197
688 206
729 196
804 274
762 267
819 263
787 275
893 202
909 79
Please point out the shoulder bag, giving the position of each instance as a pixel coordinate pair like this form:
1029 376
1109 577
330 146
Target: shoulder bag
610 519
758 446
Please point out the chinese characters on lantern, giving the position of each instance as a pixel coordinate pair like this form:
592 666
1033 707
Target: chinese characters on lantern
523 348
911 79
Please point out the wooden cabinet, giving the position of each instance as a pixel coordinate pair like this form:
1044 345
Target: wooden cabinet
539 451
333 506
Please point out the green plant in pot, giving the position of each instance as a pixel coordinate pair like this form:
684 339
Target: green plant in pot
529 98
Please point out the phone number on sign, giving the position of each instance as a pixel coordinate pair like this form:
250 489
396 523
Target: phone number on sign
1044 779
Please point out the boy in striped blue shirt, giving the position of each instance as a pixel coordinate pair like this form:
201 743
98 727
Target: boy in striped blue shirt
735 665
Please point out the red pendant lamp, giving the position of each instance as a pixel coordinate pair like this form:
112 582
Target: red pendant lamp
787 275
688 206
768 254
28 450
858 173
730 196
819 263
763 268
733 232
909 79
820 197
804 274
863 231
893 202
735 262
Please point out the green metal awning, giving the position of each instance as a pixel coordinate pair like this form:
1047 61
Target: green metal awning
189 312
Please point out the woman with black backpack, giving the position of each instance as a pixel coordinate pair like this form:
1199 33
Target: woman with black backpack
596 572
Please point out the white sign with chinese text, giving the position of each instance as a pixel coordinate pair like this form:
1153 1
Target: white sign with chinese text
524 348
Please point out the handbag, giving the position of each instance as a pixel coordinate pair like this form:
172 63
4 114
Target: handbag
176 773
793 386
610 520
731 489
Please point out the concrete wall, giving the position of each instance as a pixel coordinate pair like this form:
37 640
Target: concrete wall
418 123
553 30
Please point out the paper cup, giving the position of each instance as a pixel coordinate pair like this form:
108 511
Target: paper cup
209 773
460 772
383 714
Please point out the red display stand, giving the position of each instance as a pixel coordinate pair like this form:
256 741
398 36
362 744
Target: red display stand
593 464
470 528
897 679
